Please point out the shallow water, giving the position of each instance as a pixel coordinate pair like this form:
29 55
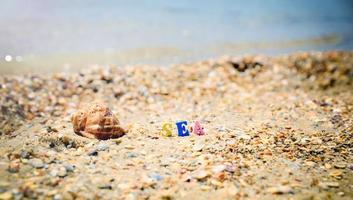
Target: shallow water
49 35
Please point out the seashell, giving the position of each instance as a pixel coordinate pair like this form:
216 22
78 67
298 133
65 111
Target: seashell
96 121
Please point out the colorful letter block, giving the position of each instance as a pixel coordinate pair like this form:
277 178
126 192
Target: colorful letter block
197 128
182 128
166 129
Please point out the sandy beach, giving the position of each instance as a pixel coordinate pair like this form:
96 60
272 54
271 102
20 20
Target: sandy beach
276 127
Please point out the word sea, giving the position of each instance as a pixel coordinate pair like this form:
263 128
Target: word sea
182 128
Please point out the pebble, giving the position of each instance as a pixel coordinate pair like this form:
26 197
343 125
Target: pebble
62 172
218 168
340 165
333 184
198 146
6 196
201 175
232 190
105 187
36 163
131 155
243 135
25 154
326 185
280 190
14 167
336 173
129 147
350 166
69 167
156 177
102 146
57 197
222 129
53 173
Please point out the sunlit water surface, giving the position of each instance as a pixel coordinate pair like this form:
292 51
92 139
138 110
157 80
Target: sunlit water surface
44 35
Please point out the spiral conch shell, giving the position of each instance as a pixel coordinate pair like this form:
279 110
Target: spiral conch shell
96 121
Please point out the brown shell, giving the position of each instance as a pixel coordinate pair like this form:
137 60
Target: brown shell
96 121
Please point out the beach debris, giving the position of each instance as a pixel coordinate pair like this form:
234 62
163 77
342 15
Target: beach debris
201 174
199 146
326 185
283 189
197 128
97 121
182 128
14 167
36 163
99 147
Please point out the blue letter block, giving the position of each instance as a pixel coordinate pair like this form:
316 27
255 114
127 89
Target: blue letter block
182 128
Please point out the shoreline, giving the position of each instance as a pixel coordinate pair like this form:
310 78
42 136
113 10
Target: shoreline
162 55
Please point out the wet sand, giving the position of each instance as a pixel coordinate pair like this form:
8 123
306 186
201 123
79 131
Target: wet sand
276 127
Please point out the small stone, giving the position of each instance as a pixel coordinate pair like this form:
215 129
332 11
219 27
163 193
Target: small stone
6 196
36 163
267 152
220 176
198 146
350 166
93 153
205 188
200 175
328 166
62 172
100 147
341 194
53 172
280 190
243 135
117 141
14 167
340 165
129 147
336 173
124 186
4 186
221 128
232 190
51 129
218 168
131 155
216 183
25 154
326 185
333 184
156 177
310 163
147 181
69 167
57 197
105 187
166 195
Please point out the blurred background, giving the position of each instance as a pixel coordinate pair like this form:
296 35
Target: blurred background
67 35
